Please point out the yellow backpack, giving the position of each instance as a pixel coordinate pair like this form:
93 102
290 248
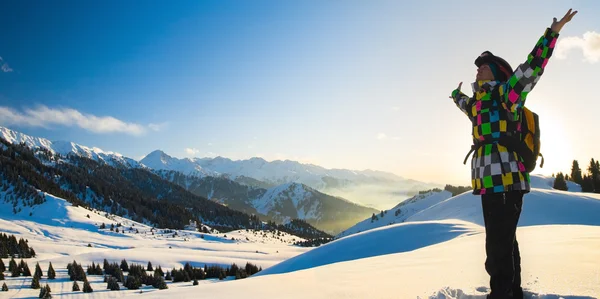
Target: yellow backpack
528 145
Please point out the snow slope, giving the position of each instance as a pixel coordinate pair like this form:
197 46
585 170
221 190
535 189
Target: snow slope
60 232
556 260
467 207
442 259
540 207
399 213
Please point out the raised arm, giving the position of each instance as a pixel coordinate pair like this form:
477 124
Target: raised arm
460 99
527 75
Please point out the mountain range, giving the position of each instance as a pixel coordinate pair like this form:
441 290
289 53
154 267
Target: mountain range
376 189
255 187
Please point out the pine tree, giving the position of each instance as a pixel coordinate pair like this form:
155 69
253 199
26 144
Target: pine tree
91 270
12 265
1 275
132 282
160 283
87 288
35 282
3 252
587 185
594 171
112 284
25 267
47 294
124 266
76 286
16 271
119 275
560 183
4 287
51 273
159 271
149 268
168 276
38 270
195 281
2 266
576 175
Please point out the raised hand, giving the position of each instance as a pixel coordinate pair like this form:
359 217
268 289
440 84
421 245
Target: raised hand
558 25
459 85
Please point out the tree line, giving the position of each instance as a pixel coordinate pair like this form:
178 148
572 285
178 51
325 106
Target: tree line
588 180
9 246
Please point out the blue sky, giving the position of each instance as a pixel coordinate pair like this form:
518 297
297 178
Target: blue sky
342 84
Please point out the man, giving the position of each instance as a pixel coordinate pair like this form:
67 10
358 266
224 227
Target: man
497 172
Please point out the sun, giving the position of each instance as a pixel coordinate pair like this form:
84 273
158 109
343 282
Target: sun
555 147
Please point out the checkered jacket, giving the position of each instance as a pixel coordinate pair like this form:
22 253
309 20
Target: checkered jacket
494 111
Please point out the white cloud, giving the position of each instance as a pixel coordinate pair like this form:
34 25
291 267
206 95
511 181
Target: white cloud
4 66
381 136
589 44
192 151
396 108
43 116
158 127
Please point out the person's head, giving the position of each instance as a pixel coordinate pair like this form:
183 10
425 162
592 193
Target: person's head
490 67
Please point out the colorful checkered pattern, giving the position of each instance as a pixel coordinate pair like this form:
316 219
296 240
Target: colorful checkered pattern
494 111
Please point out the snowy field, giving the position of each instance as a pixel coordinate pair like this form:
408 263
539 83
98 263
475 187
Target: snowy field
436 253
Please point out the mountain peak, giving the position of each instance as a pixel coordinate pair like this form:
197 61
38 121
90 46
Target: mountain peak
157 153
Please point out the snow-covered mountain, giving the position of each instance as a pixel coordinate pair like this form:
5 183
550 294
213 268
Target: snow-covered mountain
279 203
65 148
375 189
159 160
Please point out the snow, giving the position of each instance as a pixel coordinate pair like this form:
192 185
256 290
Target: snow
410 236
546 182
65 147
557 263
440 205
437 252
61 233
299 195
369 188
159 160
540 207
406 209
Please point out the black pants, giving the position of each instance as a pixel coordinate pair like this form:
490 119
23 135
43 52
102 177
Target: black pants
501 214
